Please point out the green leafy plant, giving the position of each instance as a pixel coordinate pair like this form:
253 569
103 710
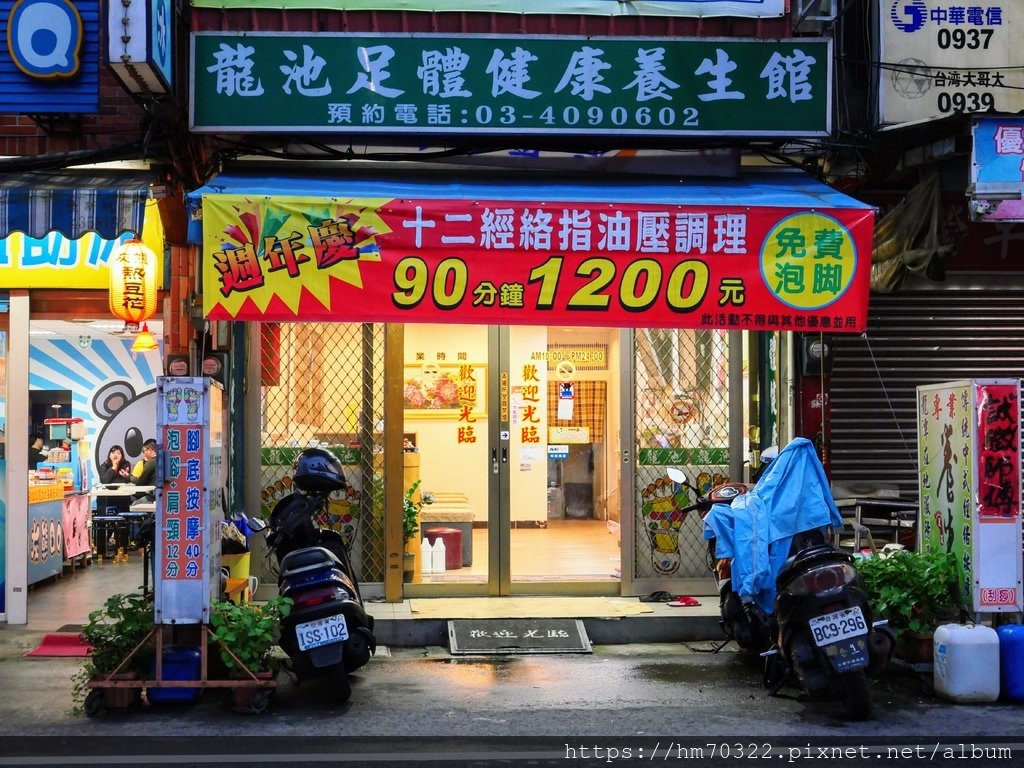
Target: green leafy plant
915 591
410 513
115 633
246 633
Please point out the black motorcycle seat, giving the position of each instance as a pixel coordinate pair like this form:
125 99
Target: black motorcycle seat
308 557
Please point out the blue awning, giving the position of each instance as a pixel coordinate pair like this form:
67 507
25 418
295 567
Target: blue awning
107 203
765 189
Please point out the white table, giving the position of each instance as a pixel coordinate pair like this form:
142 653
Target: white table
120 489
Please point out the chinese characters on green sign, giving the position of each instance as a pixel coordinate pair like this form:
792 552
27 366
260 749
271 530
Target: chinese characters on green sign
492 84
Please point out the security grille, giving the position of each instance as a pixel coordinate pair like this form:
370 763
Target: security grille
682 407
323 385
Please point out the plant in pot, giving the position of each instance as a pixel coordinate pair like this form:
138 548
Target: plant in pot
411 525
916 592
118 633
246 633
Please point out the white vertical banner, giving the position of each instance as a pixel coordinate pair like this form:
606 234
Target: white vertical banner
182 564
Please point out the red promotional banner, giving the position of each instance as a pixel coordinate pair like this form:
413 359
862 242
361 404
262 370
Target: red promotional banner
286 258
998 451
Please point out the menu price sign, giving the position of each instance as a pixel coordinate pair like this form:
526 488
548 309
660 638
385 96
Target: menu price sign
182 569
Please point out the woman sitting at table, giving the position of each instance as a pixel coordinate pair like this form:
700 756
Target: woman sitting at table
116 469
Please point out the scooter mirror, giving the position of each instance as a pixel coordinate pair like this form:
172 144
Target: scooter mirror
677 475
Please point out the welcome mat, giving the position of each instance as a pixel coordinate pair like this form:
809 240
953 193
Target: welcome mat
60 644
526 607
517 636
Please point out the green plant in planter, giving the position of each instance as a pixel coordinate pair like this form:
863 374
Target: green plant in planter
915 591
247 632
410 513
114 632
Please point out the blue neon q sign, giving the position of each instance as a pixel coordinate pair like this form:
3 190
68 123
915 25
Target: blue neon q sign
44 38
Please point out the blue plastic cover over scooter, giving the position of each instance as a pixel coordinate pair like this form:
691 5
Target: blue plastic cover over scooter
756 530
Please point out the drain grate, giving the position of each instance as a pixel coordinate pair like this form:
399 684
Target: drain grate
517 636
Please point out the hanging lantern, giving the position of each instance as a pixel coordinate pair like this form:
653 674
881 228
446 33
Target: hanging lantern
133 282
144 342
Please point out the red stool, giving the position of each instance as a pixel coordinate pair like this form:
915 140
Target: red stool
452 538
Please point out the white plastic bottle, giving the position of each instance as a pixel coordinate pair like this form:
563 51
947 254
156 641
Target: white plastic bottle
437 556
426 557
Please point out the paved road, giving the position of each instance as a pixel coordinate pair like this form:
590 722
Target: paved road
620 697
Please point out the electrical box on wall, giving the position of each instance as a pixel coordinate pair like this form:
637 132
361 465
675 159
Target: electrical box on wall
815 354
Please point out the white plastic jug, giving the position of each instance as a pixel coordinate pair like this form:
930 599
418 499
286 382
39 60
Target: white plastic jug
966 665
437 556
427 557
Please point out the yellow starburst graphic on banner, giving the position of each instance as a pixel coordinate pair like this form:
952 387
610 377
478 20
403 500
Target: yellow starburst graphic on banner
259 249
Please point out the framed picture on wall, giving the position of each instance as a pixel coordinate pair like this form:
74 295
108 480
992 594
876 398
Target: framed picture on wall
445 390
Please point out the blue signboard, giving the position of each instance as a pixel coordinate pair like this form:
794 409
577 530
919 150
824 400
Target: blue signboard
998 150
50 57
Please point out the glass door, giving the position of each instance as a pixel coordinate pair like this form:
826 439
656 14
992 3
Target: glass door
513 436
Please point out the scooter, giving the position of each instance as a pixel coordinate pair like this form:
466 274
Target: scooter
741 620
796 586
826 635
327 632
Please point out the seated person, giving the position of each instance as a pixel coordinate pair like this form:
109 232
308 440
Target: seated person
147 475
115 469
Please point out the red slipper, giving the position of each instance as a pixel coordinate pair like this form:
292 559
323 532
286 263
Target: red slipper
683 601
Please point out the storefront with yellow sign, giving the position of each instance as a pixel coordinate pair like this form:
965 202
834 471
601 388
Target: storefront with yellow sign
63 356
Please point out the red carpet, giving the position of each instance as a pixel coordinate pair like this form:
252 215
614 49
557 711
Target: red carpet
61 644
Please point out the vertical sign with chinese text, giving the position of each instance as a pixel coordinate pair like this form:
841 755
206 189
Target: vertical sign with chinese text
969 470
183 541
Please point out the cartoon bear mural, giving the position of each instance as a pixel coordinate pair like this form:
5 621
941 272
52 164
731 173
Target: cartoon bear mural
129 419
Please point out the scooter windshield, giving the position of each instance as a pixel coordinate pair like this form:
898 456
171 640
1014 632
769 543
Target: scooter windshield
756 530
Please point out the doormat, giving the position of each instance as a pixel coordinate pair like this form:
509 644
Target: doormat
517 636
60 644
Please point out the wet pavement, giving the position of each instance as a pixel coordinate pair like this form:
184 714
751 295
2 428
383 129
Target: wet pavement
623 691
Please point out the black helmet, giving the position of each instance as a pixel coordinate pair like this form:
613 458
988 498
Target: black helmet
318 471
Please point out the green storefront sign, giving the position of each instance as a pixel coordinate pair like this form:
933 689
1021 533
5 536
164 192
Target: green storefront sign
483 84
673 457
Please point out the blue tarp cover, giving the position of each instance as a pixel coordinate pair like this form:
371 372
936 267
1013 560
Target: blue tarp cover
756 530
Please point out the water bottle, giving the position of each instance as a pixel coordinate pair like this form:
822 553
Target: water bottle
437 556
427 557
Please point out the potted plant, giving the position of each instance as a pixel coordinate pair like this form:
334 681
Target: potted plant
246 633
916 592
117 633
411 525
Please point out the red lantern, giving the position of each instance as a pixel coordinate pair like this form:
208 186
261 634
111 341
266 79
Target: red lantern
133 282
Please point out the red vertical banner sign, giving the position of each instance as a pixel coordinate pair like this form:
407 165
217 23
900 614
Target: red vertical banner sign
998 427
181 571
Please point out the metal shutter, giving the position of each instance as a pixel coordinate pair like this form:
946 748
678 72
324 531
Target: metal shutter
916 337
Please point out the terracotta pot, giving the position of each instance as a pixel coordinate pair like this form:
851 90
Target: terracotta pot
121 698
915 647
251 699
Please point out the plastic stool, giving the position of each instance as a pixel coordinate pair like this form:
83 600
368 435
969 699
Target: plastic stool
452 538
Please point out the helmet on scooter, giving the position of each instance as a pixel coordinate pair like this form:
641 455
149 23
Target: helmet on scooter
318 471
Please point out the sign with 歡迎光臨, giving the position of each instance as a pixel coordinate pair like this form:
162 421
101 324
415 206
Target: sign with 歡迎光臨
490 84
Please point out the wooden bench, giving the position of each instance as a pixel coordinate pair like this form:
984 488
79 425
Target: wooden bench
450 514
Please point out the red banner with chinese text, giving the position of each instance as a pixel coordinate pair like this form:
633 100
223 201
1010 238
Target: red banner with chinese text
535 263
998 451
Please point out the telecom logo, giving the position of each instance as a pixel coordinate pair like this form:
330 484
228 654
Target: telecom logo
908 16
44 38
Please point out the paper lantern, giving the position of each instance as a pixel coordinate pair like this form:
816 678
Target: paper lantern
133 282
144 342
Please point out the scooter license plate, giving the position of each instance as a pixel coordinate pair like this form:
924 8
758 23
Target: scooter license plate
313 634
838 626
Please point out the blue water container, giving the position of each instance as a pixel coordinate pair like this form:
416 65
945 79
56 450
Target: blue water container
1011 661
181 662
